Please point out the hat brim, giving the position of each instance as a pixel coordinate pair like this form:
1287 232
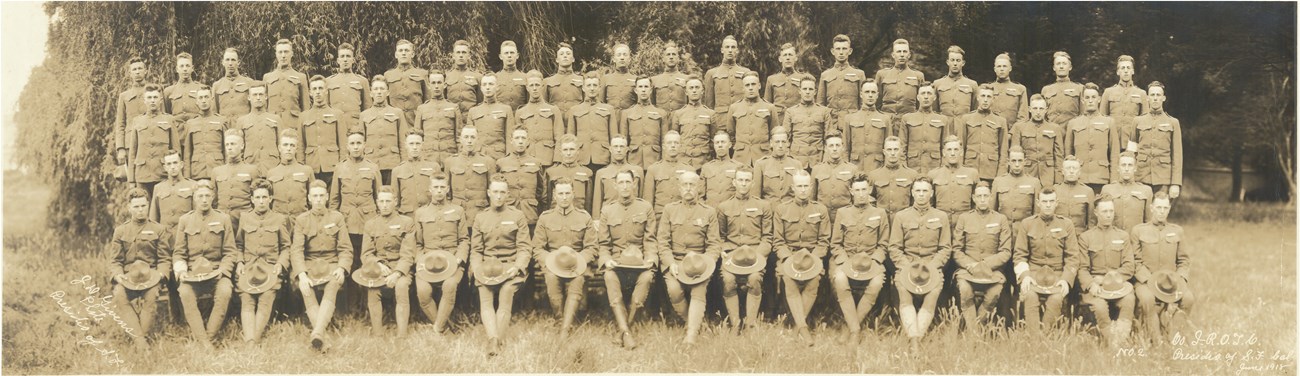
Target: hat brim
709 268
993 277
148 283
874 269
1048 290
201 277
423 274
788 269
318 272
729 267
491 280
930 285
246 282
1170 297
1124 290
553 265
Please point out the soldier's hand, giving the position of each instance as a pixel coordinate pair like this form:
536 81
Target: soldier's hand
513 271
303 283
391 280
1093 288
610 264
121 156
239 269
337 274
1174 190
118 278
673 268
385 268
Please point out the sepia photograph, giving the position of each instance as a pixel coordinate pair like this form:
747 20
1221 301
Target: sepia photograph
769 187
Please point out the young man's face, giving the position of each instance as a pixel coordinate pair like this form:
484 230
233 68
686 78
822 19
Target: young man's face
985 99
172 165
316 197
509 55
925 96
643 89
834 146
1124 70
404 53
921 192
139 208
534 87
672 56
801 186
617 148
488 85
1016 162
437 83
414 144
623 183
1038 110
137 71
1071 170
902 53
1047 204
261 199
317 91
952 153
385 201
807 90
743 180
257 97
283 54
841 51
346 59
563 195
438 188
497 193
787 58
203 198
234 145
752 86
694 90
956 62
203 99
892 150
1002 68
861 192
153 99
468 137
1127 167
591 87
1160 209
288 148
569 152
1091 100
519 140
460 55
1105 213
184 67
230 61
981 198
870 92
564 57
1061 66
622 56
356 145
730 49
379 91
1157 97
780 144
671 144
721 145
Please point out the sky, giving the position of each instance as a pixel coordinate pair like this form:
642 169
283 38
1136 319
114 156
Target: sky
24 29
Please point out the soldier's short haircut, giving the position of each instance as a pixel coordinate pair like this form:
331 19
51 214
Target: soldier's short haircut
460 42
923 179
1123 58
437 176
1128 154
135 59
419 134
591 75
498 178
859 178
841 38
1060 54
869 80
1162 195
347 46
621 44
357 130
386 188
673 133
925 84
1155 84
731 38
317 183
404 41
316 78
982 184
987 86
487 75
289 133
644 77
203 87
137 193
694 78
690 175
171 152
509 43
564 45
670 44
1092 86
752 74
433 71
1046 191
1003 56
261 183
533 74
563 180
1105 197
746 169
1070 157
781 130
566 138
951 138
284 42
379 78
627 172
616 136
152 87
721 132
801 173
786 46
1015 149
900 41
893 139
1037 97
184 55
203 184
834 133
235 132
956 50
229 50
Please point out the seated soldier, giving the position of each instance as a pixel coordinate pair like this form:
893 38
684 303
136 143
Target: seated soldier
500 255
321 254
385 264
140 250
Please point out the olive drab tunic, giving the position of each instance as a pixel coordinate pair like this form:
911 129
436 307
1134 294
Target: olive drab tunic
468 175
605 189
593 124
688 227
544 123
1159 247
1010 101
981 238
526 177
1124 103
265 237
746 222
582 182
501 234
385 128
204 145
570 227
289 186
261 138
234 185
147 140
492 120
920 235
353 192
406 91
146 241
210 235
669 90
1095 141
462 88
349 93
957 95
1105 249
1074 201
723 85
1013 195
181 100
1159 139
839 87
645 127
1132 203
617 89
411 181
695 124
892 187
512 87
382 242
898 89
1064 100
953 187
807 126
859 229
320 235
130 103
564 90
864 134
440 227
774 176
170 201
286 94
230 95
751 124
1048 244
922 134
1044 146
831 184
718 176
324 138
801 225
439 121
782 90
627 227
983 134
662 183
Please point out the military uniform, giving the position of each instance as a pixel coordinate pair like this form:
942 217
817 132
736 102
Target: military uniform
209 235
831 184
230 95
983 134
687 227
1013 195
773 176
1074 201
957 95
1158 247
617 89
407 90
982 238
1049 245
1123 103
801 225
170 201
751 123
807 125
321 236
286 92
440 227
439 121
723 86
147 140
662 182
1044 147
564 90
544 123
203 145
1010 101
1159 138
669 90
1132 202
525 176
462 88
582 184
570 227
349 93
512 88
644 126
746 222
492 119
858 229
181 100
953 186
864 134
289 183
919 235
501 234
130 103
893 187
838 88
627 227
146 241
695 124
592 123
324 137
261 138
898 89
234 186
606 191
411 181
1106 249
382 243
468 175
718 176
1064 100
922 134
782 90
265 237
385 128
1095 140
353 192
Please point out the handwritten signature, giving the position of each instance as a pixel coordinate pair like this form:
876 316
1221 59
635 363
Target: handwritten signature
93 309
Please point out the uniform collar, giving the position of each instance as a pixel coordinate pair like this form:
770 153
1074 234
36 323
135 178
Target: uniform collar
490 100
564 211
403 67
790 71
510 68
1157 112
627 201
955 75
564 71
232 73
1004 80
1124 84
1063 79
184 80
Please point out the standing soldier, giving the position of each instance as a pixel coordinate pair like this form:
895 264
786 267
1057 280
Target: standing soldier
323 127
644 125
1009 97
564 88
527 174
625 237
859 237
839 85
348 92
180 99
462 82
751 120
563 246
865 130
1074 199
984 134
1124 101
1132 198
723 84
832 176
1105 273
204 134
893 180
900 84
745 224
923 131
263 245
437 120
670 86
592 122
141 249
981 241
356 180
1095 140
440 243
321 255
130 103
1062 96
540 120
386 264
492 118
1163 267
569 168
618 86
203 258
411 178
957 94
148 139
1013 193
782 88
953 182
1159 140
171 197
287 87
695 123
807 122
232 89
260 129
289 179
720 173
384 126
605 188
776 169
663 178
500 251
233 180
1042 140
689 243
407 83
467 172
920 244
1046 259
510 81
801 230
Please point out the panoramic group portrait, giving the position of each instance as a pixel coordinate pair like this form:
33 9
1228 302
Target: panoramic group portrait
649 187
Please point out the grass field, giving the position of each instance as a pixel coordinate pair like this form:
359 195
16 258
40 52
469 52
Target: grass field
1243 273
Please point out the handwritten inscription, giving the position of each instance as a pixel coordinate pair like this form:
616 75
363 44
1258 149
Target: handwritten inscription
90 310
1239 351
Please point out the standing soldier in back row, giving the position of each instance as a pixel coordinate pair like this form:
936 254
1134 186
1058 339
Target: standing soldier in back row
1124 101
511 82
899 84
564 88
1159 140
203 137
1095 140
287 87
839 85
323 127
181 99
617 86
491 118
437 121
957 95
722 84
1062 96
405 82
1009 97
232 89
670 86
783 87
462 82
348 91
751 120
130 103
695 123
983 134
865 130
